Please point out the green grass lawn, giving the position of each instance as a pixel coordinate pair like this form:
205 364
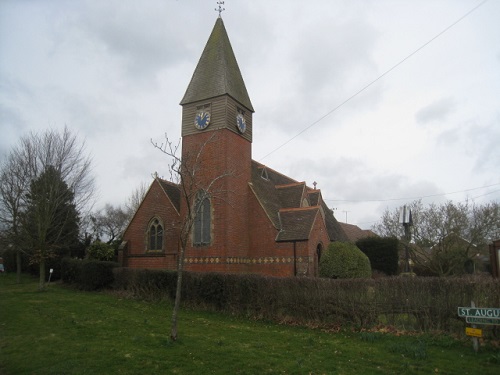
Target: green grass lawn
63 331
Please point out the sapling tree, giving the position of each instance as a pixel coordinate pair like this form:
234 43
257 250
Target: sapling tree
194 187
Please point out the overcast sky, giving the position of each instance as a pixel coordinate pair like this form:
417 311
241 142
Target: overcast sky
114 72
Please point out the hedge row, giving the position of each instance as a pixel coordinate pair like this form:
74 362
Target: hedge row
409 303
87 274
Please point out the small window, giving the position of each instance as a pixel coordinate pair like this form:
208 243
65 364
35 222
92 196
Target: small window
155 236
264 174
202 222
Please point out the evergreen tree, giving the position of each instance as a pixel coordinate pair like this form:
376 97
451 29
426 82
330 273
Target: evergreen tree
50 223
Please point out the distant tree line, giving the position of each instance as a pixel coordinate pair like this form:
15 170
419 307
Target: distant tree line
448 238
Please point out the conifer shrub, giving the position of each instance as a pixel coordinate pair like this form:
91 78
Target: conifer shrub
343 260
382 252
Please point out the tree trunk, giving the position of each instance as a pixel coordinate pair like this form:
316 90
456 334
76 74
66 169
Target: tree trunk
177 303
18 266
41 285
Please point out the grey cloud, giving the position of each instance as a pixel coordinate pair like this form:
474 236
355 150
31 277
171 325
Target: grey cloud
482 142
140 38
436 111
355 180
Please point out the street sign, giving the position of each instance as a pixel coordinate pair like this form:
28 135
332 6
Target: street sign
477 320
474 332
479 312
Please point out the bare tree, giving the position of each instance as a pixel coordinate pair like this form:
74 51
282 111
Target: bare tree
110 222
194 190
45 158
135 200
14 182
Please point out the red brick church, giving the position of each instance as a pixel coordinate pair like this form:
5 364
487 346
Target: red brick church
251 220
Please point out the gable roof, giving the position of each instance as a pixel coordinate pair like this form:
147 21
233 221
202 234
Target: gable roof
282 197
291 195
217 72
296 223
172 191
355 233
313 197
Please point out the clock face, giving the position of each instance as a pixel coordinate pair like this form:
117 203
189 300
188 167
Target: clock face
202 120
241 124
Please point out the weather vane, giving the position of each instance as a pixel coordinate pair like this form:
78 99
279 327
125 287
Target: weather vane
220 9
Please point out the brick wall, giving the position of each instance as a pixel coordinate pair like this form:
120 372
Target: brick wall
155 204
243 237
223 153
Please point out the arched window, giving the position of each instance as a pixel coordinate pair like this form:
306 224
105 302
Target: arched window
319 251
155 235
202 222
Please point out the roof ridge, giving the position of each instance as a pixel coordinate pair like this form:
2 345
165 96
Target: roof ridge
293 184
308 208
168 182
260 165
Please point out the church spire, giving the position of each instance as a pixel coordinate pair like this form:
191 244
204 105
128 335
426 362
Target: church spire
217 72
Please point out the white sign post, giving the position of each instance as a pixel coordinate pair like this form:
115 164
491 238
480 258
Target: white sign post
50 274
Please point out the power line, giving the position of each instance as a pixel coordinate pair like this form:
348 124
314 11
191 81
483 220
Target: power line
479 196
375 80
415 198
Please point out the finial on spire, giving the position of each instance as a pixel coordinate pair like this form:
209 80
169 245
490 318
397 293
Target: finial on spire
220 9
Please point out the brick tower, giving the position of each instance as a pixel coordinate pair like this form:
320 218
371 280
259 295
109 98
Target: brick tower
216 141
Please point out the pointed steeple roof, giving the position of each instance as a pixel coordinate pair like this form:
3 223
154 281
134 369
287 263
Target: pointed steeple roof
217 72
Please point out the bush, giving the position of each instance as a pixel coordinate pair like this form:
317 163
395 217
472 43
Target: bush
96 275
408 303
101 251
10 262
343 260
71 270
88 274
382 252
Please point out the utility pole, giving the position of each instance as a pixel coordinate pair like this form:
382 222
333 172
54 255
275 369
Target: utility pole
346 215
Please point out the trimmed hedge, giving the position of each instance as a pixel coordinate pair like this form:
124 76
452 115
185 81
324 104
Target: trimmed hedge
88 274
343 260
382 252
407 303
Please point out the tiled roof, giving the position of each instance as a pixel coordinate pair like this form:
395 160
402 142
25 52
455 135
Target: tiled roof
313 196
217 72
264 181
333 227
277 193
172 191
296 223
355 233
291 195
